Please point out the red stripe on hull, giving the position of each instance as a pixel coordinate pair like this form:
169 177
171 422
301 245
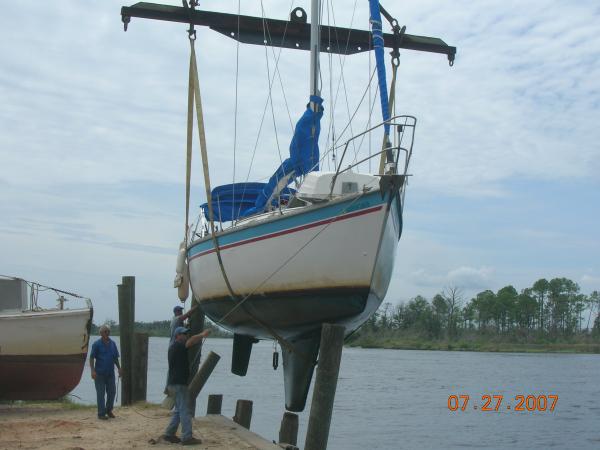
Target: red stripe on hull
292 230
39 377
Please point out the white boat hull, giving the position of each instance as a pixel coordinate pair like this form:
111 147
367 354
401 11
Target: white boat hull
330 263
42 353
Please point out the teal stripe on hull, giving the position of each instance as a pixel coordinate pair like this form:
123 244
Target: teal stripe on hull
283 223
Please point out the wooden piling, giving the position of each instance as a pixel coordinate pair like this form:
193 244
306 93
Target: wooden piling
196 325
140 367
288 432
200 379
330 355
126 294
215 402
243 413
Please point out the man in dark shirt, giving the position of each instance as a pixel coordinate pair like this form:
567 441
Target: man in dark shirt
179 374
105 352
179 318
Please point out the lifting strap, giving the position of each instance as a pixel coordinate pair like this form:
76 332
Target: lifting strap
194 97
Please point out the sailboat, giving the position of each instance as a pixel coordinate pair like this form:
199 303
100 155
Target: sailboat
309 246
42 350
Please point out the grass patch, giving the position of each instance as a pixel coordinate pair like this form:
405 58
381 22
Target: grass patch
65 402
407 343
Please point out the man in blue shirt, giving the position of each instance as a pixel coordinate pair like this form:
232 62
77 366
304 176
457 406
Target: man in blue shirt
179 374
105 352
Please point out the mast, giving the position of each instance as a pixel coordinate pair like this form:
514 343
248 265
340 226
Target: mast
315 48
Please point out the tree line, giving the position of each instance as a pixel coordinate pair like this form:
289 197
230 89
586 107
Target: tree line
553 310
159 328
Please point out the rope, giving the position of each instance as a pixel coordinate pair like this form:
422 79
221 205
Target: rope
147 417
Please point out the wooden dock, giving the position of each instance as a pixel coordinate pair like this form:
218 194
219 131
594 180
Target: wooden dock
55 425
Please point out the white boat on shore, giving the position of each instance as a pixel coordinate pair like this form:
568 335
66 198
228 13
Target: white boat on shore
42 350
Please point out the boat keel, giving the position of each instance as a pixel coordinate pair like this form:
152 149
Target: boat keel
240 357
298 367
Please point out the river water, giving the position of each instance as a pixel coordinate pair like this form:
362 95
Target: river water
398 399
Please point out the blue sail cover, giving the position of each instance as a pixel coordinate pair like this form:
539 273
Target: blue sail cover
304 155
378 47
233 201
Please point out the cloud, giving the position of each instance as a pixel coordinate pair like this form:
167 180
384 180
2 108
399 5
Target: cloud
466 278
470 277
591 280
92 139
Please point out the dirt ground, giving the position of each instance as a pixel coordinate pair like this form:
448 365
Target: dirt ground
54 426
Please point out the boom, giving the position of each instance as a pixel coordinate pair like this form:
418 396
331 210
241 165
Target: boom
292 34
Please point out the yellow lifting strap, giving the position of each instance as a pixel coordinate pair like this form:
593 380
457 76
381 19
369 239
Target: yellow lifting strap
384 146
194 97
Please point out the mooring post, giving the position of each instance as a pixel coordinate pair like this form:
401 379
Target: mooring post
140 367
288 432
330 355
215 402
243 413
200 379
126 293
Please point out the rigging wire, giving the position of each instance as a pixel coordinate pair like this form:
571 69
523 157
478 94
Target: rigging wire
235 114
45 288
264 111
335 146
278 72
266 39
331 129
335 96
369 122
342 79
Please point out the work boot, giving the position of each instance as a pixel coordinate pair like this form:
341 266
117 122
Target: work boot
110 415
102 417
192 441
172 439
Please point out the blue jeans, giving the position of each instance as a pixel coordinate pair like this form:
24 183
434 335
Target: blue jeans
105 384
181 413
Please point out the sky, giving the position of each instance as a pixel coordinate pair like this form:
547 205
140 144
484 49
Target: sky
504 187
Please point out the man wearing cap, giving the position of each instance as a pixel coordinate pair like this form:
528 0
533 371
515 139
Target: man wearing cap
179 373
178 319
106 356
